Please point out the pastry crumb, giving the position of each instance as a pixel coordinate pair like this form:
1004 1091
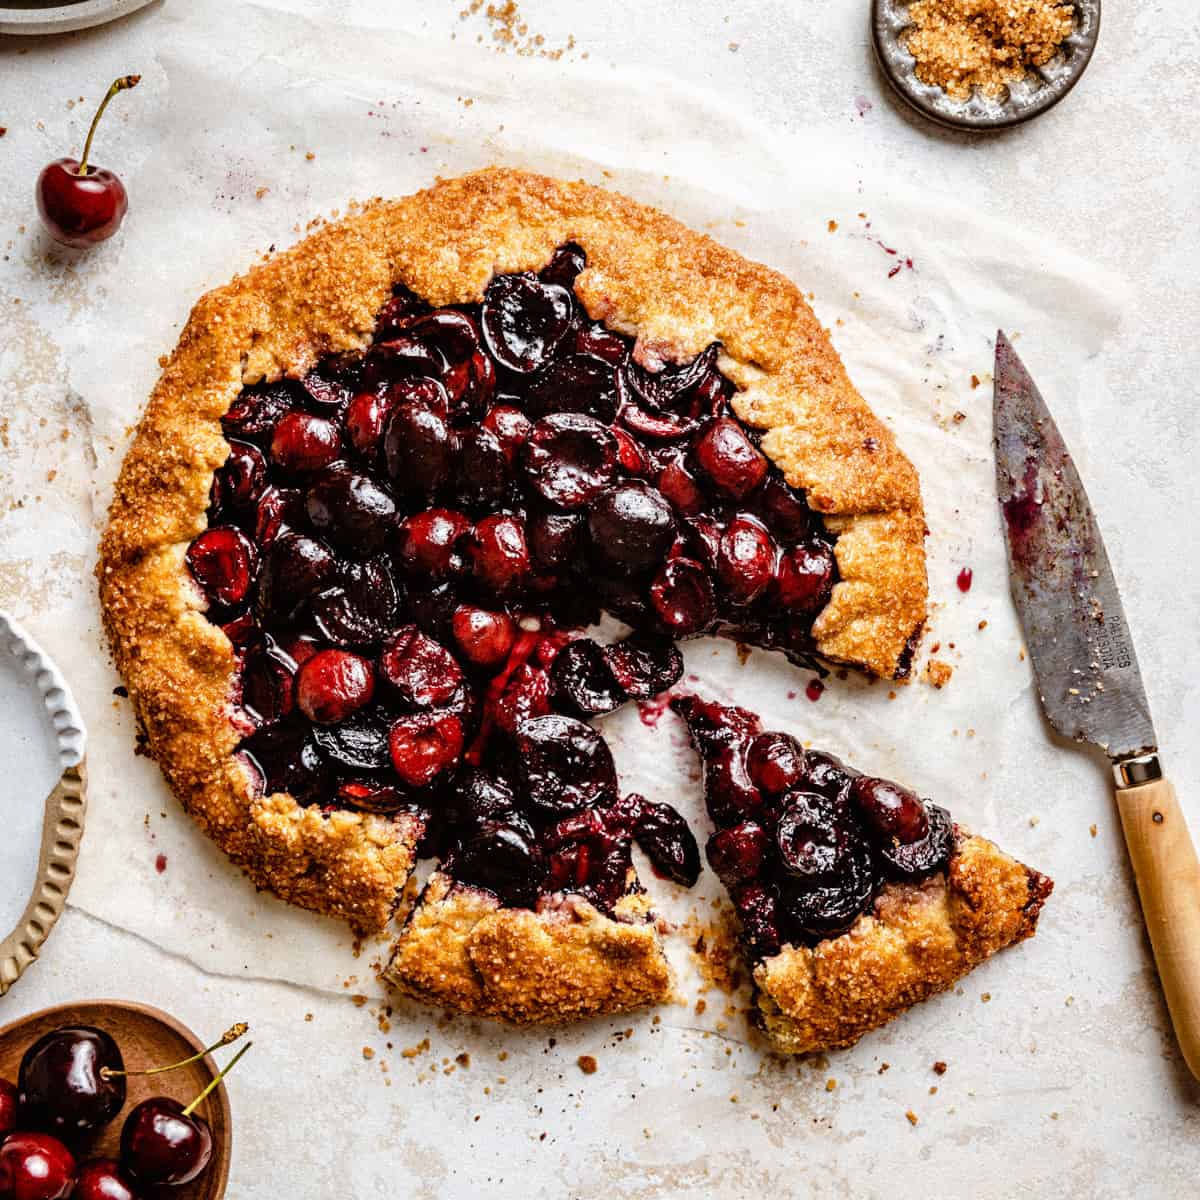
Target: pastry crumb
1092 830
938 673
831 1085
939 1067
588 1064
368 1053
911 1117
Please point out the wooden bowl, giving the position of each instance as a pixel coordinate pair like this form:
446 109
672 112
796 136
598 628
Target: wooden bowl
147 1038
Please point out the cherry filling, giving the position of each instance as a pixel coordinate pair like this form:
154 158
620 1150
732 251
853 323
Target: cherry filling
403 545
803 842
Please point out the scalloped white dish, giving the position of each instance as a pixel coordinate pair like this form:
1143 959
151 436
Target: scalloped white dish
42 797
36 16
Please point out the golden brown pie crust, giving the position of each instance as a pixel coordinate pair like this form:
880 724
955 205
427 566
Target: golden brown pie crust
647 275
919 939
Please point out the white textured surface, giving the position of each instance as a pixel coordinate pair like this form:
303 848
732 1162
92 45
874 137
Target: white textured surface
1076 232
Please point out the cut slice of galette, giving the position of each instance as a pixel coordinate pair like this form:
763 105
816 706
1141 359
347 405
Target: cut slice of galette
857 899
388 476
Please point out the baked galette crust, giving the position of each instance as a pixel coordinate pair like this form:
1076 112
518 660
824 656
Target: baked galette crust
647 275
918 939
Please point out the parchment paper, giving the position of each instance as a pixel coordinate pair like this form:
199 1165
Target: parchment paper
232 148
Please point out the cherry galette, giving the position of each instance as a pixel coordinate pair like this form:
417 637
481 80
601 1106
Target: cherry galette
387 482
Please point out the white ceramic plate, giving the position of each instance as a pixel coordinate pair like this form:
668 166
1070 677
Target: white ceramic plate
37 16
42 800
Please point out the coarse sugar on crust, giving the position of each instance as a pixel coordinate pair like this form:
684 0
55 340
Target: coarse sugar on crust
647 275
918 939
567 960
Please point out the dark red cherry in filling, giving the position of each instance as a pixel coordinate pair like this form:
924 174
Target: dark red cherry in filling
914 860
430 542
370 796
569 458
484 637
425 745
682 597
294 568
524 319
729 792
453 332
325 390
758 909
62 1082
828 908
421 672
240 482
332 685
163 1145
503 857
256 411
804 578
644 665
564 266
8 1107
511 427
889 811
578 383
278 509
365 418
302 442
556 540
714 727
783 511
631 526
419 447
564 765
737 854
103 1179
746 559
631 458
807 835
289 760
826 773
35 1166
395 313
402 357
681 488
599 342
776 762
666 840
675 387
483 471
499 553
526 694
352 511
361 608
727 457
360 743
223 563
267 683
583 681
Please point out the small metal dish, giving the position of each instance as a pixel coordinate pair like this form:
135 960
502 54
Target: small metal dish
1041 89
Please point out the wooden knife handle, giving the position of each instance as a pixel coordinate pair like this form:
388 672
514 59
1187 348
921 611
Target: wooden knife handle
1168 879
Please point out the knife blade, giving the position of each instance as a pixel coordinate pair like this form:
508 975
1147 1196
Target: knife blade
1087 671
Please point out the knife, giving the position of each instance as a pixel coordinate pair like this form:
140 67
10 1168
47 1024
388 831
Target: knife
1087 672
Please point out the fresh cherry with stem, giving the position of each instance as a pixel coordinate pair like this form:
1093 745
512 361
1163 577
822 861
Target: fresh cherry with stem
162 1142
62 1084
227 1038
103 1179
79 204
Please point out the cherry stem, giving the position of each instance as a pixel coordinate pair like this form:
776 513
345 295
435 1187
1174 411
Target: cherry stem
230 1035
118 85
191 1108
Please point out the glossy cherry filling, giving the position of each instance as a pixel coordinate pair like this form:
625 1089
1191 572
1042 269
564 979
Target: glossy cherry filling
803 842
404 545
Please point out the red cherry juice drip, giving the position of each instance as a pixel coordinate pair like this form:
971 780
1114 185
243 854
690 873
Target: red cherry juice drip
160 863
650 711
813 689
965 576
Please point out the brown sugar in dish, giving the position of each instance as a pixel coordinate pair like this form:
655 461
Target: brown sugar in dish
961 45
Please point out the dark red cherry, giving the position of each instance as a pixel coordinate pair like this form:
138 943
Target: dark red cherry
289 760
656 427
351 510
829 908
420 671
644 665
555 540
396 312
278 509
668 843
425 745
419 447
242 629
784 511
746 559
776 762
914 860
81 205
631 458
564 765
702 541
369 796
359 743
729 792
483 472
682 597
826 773
569 458
294 568
564 266
577 383
729 459
241 480
631 525
8 1107
511 427
681 488
759 912
103 1179
268 675
483 636
526 694
365 418
583 681
362 608
223 562
736 854
602 343
302 442
258 409
804 578
524 319
453 332
326 392
62 1083
35 1166
503 857
480 796
499 553
332 685
810 840
713 726
673 388
890 812
402 357
161 1144
430 542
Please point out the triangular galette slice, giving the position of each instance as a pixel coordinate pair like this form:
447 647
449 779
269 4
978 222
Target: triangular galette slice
857 898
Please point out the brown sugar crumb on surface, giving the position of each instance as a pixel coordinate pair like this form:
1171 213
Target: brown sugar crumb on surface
715 952
938 673
961 45
912 1117
588 1064
368 1053
939 1067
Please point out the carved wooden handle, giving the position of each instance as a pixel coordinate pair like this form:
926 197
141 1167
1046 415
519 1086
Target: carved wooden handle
1168 879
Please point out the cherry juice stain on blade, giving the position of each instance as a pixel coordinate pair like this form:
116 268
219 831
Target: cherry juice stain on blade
160 863
650 711
1022 509
965 577
814 689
